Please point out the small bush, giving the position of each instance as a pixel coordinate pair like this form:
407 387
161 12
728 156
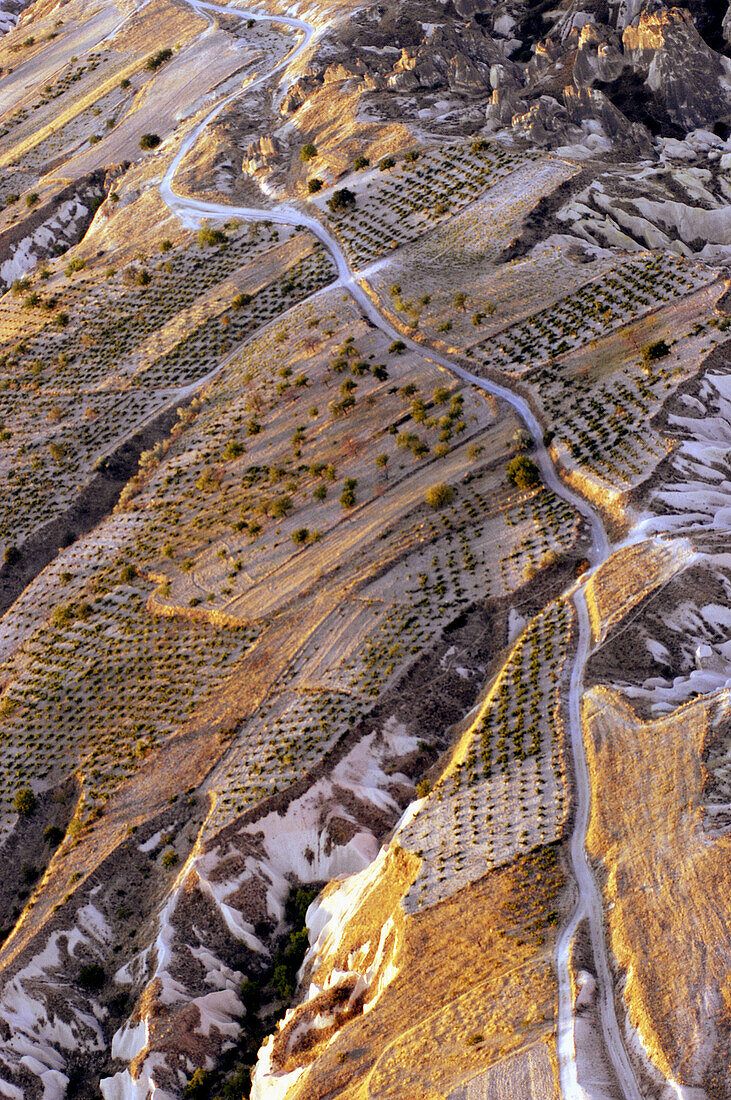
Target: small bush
314 185
11 555
53 835
437 496
233 449
76 264
150 141
347 497
24 802
300 536
523 472
32 199
157 59
309 152
360 162
343 199
657 350
198 1088
208 237
386 163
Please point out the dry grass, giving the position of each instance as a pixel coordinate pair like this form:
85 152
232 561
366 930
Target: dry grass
666 882
627 578
488 990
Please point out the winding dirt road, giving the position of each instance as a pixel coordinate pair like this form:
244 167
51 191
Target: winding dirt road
589 904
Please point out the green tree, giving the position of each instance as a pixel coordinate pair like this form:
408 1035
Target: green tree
157 59
523 472
439 495
347 497
343 199
657 350
24 802
208 237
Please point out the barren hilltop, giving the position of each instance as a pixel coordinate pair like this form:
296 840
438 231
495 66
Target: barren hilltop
365 652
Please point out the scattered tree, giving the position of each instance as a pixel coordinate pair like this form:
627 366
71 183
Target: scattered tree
157 59
347 497
523 472
24 802
657 350
343 199
437 496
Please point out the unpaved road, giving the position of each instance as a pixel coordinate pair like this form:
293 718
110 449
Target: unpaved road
589 904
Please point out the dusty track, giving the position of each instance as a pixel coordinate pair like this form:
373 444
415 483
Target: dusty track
589 903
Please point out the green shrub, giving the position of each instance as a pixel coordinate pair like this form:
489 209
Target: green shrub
439 495
78 263
208 237
347 497
53 835
309 152
657 350
343 199
314 185
233 449
523 472
11 555
24 802
157 59
150 141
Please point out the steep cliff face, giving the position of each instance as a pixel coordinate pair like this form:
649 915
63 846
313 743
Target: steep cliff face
667 52
54 225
